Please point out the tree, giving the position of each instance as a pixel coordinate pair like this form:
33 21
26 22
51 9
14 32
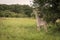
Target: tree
27 10
19 10
49 9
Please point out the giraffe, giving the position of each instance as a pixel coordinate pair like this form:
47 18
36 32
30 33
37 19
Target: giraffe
40 22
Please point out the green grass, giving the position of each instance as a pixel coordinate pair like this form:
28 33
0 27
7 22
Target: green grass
22 29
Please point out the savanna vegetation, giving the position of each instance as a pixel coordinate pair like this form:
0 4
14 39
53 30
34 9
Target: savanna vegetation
24 29
17 22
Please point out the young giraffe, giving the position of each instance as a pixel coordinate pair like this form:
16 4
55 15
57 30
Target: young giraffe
40 21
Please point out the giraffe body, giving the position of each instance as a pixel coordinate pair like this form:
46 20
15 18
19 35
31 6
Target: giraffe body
40 21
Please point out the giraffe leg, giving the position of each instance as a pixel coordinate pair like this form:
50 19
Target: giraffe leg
38 28
45 28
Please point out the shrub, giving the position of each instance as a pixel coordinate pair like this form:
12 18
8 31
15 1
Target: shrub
7 13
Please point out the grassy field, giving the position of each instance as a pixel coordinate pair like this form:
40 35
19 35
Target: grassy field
22 29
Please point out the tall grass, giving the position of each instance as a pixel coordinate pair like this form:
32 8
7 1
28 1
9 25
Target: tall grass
22 29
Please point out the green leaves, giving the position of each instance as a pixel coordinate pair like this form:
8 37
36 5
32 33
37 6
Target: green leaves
17 10
49 8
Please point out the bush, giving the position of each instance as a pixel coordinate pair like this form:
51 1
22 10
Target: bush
54 28
21 15
7 13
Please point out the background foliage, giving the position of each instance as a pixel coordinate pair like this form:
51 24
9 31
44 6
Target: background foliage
15 10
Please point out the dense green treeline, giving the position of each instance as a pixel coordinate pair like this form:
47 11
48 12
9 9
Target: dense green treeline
15 10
